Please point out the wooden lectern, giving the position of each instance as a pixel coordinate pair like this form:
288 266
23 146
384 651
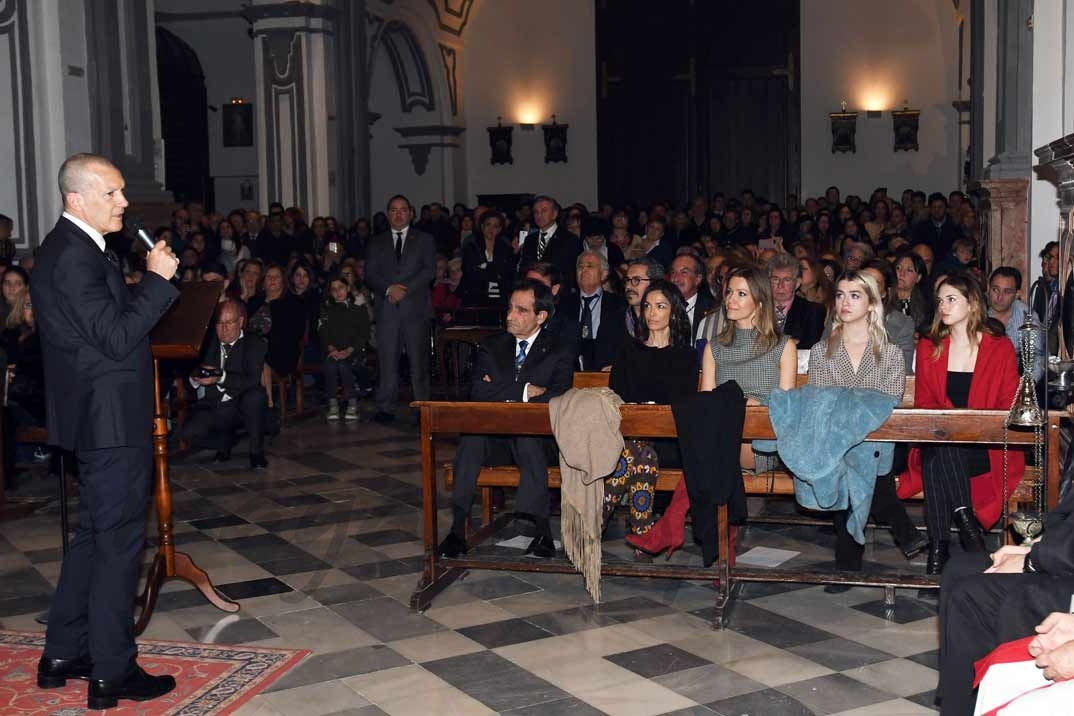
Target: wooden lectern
178 336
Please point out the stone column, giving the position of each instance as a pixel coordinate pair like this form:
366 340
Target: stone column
1014 127
294 58
1007 204
124 96
352 177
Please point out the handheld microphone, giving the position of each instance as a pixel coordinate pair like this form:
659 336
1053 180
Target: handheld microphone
136 227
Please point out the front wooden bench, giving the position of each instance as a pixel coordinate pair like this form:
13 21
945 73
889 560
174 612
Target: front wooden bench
656 421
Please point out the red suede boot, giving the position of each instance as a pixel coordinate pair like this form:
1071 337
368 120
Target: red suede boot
668 532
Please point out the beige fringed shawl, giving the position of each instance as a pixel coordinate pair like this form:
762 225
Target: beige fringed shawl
586 425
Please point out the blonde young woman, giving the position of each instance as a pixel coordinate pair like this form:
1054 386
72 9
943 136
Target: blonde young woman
858 354
747 349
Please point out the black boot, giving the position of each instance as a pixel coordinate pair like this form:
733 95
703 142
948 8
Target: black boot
907 537
969 531
939 552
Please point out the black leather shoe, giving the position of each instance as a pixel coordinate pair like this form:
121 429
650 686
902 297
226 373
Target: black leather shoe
912 543
939 552
969 531
381 417
136 686
258 461
54 673
452 546
223 455
541 548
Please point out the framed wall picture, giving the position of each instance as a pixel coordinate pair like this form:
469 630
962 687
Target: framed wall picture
238 125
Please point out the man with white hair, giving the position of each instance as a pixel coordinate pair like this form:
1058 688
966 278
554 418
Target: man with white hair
601 327
99 373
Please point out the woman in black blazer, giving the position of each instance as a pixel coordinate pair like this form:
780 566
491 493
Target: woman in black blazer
278 316
488 265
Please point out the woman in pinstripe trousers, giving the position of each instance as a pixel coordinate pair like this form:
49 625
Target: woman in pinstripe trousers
963 363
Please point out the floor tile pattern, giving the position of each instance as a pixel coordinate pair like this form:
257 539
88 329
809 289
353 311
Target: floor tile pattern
324 548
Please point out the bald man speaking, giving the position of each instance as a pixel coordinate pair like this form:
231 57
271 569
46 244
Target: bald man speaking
99 398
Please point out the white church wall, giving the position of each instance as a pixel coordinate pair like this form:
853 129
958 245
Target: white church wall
875 54
525 61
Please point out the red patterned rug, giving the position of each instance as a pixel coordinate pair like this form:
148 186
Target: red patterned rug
210 680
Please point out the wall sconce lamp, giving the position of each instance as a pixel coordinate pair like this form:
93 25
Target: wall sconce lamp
555 142
904 123
500 138
844 129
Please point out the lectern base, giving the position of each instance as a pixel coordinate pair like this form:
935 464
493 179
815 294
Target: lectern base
184 569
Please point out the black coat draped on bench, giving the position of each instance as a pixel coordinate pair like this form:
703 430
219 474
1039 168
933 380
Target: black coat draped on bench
709 425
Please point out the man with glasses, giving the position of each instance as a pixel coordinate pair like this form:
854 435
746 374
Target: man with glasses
796 317
234 397
640 273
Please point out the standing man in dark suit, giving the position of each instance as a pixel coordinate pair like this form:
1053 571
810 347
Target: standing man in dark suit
526 364
688 275
235 398
400 267
99 372
796 317
550 243
601 315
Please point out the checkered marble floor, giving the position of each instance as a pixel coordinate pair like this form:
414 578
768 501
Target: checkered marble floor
323 551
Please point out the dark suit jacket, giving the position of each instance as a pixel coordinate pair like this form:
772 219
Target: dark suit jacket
562 250
565 326
242 370
805 322
474 287
548 364
940 241
705 303
611 334
664 252
416 270
95 343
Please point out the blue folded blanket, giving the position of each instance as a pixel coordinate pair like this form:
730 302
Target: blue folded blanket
820 433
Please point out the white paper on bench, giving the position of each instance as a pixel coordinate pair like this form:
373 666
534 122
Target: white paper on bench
522 542
769 557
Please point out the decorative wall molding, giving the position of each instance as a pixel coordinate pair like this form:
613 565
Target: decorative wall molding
432 130
15 49
419 153
253 13
412 77
449 57
285 115
374 27
452 15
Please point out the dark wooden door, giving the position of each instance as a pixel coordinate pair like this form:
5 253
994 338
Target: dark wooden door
697 96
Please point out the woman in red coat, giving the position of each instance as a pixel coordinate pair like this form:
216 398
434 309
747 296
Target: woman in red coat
962 363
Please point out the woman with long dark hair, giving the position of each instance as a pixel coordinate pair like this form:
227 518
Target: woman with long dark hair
964 362
748 350
658 367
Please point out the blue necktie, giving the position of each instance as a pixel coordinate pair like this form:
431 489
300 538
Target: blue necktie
520 358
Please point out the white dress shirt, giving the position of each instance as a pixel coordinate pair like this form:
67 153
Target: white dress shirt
223 375
93 233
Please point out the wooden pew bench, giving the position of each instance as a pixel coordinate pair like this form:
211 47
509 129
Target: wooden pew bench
656 421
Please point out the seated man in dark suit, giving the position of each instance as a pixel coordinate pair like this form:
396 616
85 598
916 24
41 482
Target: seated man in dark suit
796 317
524 364
235 398
986 602
601 324
564 326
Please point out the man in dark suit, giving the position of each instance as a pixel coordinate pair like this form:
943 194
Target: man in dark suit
796 317
561 323
601 315
526 364
688 275
938 230
99 373
234 399
400 267
550 242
